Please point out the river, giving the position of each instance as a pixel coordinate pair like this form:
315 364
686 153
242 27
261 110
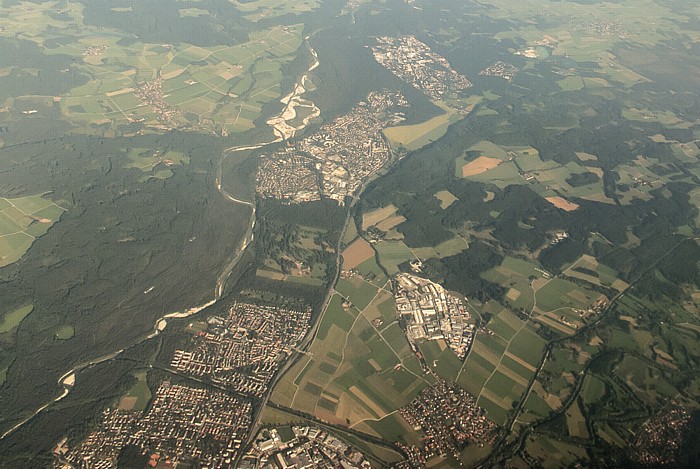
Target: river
281 130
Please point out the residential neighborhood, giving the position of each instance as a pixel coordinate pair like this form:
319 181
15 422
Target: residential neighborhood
183 424
451 421
243 351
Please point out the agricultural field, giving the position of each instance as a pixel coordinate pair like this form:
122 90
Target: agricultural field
218 89
393 253
65 332
360 368
374 217
558 184
501 363
357 253
446 199
160 86
257 10
589 269
643 176
22 220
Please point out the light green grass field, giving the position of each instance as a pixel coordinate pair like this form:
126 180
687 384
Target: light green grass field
22 220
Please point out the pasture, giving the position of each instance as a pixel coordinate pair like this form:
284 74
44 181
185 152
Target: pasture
22 220
138 396
414 137
11 319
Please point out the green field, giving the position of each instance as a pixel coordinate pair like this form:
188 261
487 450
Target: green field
559 293
139 395
357 290
393 253
65 332
14 318
256 10
22 220
413 137
440 358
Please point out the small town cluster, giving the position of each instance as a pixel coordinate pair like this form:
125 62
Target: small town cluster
336 160
244 350
183 423
451 421
415 63
658 440
428 312
500 69
150 93
301 447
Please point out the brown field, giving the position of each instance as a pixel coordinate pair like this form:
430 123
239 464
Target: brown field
513 375
479 165
562 203
520 361
513 294
119 92
446 198
597 171
355 254
502 402
389 223
270 274
659 138
173 74
554 324
127 402
583 156
375 216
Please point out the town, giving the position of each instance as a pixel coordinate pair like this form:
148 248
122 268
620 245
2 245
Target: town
450 419
243 351
428 312
335 161
415 63
183 424
301 447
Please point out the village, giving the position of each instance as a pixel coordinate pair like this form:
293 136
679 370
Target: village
428 312
500 69
335 161
243 351
450 419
